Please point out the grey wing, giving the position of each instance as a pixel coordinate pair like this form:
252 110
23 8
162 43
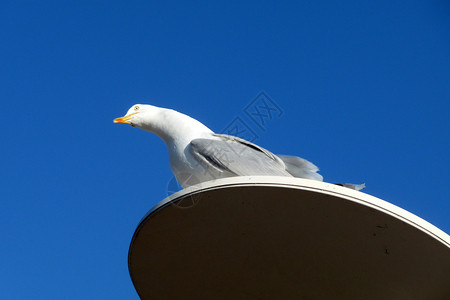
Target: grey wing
236 156
300 167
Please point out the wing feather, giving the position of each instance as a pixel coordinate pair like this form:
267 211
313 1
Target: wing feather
237 156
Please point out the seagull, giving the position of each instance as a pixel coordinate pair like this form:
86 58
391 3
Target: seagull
197 154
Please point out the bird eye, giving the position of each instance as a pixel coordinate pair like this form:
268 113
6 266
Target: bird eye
136 108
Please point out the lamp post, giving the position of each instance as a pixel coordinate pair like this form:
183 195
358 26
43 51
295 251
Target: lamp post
286 238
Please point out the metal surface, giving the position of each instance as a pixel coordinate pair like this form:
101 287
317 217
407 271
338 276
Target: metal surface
286 238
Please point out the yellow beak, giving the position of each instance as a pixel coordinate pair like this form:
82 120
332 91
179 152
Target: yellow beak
124 119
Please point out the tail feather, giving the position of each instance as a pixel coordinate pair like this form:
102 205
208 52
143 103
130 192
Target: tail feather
301 168
356 187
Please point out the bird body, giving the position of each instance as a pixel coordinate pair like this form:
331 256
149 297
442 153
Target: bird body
197 154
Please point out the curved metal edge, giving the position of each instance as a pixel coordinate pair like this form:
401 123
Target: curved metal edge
305 184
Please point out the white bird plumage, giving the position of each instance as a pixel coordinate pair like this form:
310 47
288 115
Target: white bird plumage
197 154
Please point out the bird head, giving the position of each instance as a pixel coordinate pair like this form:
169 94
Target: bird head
166 123
136 115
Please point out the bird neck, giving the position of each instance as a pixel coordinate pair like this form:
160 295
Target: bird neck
177 129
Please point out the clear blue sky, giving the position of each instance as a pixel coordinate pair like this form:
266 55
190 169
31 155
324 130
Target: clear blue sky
364 87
